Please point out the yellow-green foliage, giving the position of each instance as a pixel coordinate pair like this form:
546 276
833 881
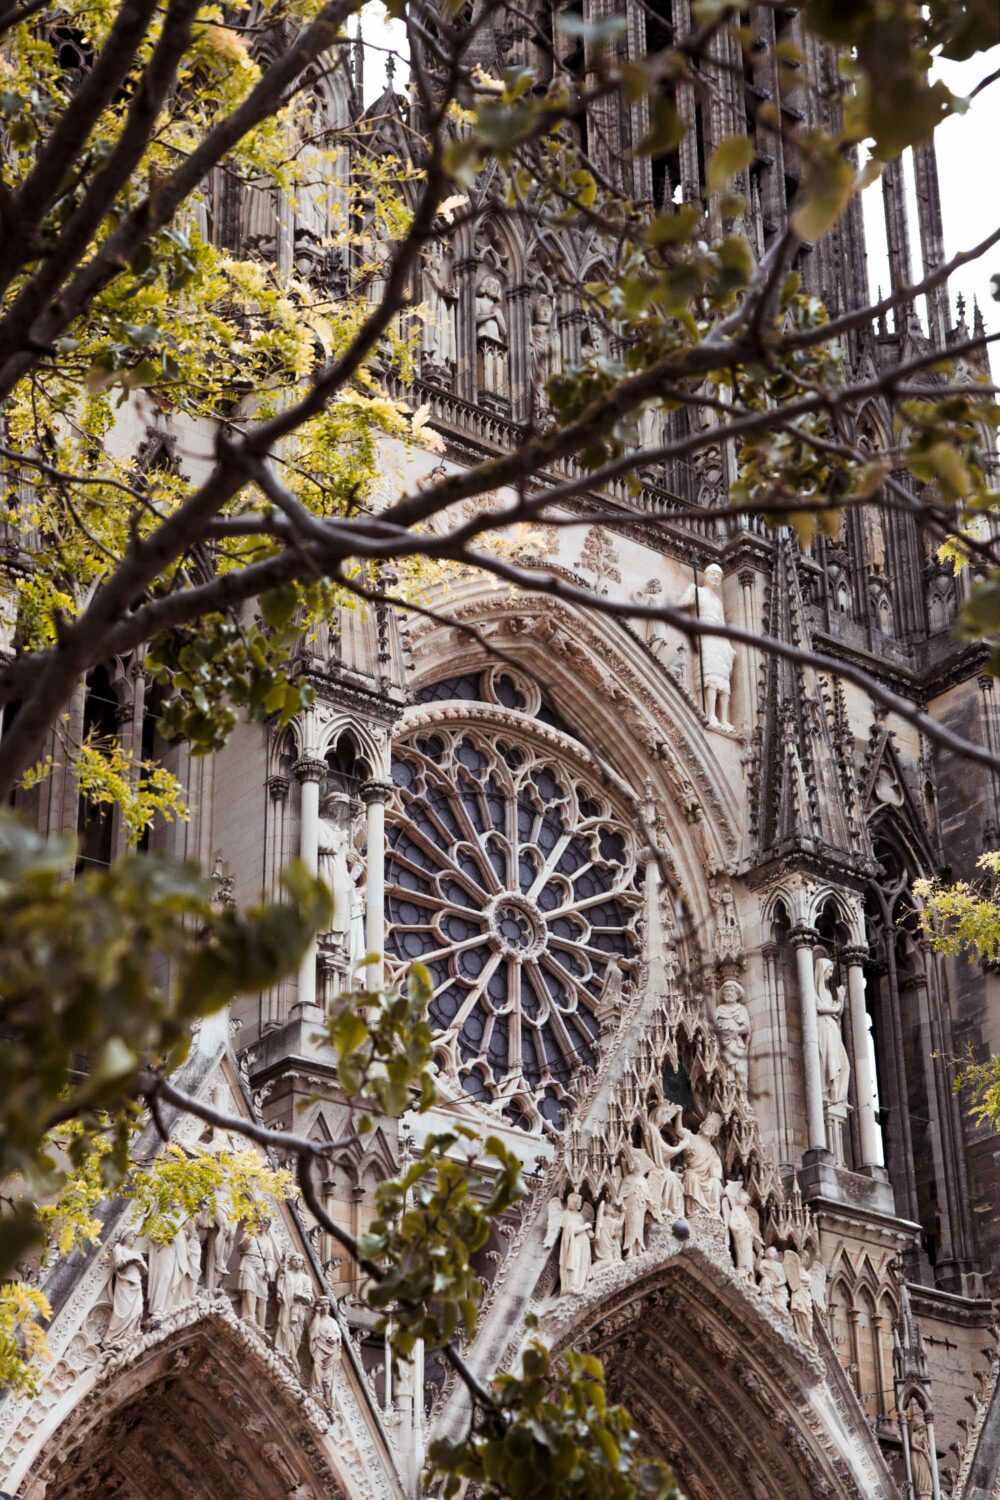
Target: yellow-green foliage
108 774
240 1181
23 1345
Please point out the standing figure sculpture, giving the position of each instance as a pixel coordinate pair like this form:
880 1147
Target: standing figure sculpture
295 1295
773 1280
834 1063
324 1349
491 336
732 1027
921 1461
716 654
545 348
703 1175
743 1231
568 1224
666 1192
634 1198
438 338
127 1266
219 1232
170 1271
608 1234
257 1271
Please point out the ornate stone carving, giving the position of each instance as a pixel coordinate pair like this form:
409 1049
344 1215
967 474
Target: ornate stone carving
773 1280
295 1296
324 1350
569 1224
174 1266
258 1268
127 1306
732 1027
835 1065
716 654
744 1231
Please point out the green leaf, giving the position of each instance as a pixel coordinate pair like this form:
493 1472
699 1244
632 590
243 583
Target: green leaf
730 157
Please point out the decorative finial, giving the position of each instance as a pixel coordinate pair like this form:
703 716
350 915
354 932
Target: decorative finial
978 324
390 70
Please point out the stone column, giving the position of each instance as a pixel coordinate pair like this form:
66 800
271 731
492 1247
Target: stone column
310 772
871 1138
803 939
375 794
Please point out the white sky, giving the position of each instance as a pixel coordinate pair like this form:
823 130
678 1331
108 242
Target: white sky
968 151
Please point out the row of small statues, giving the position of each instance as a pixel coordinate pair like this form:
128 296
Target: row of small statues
648 1188
197 1254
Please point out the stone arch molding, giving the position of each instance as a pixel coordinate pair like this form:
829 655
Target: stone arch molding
609 682
718 1384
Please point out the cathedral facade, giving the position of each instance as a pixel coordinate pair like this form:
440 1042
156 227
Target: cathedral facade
665 895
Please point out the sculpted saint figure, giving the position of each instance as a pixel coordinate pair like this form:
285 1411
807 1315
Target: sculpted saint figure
703 1175
219 1234
663 1181
608 1234
257 1271
834 1063
772 1279
324 1349
921 1462
545 349
295 1295
717 654
173 1278
743 1232
575 1234
801 1300
732 1027
439 329
127 1266
491 335
634 1198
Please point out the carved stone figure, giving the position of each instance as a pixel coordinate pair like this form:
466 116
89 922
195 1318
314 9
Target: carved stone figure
663 1181
772 1279
545 347
801 1300
732 1027
575 1234
218 1233
921 1460
717 654
438 338
491 336
295 1295
608 1234
324 1349
174 1267
703 1175
743 1232
127 1266
634 1197
257 1271
835 1065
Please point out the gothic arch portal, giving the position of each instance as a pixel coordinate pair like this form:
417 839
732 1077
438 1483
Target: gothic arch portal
200 1411
719 1388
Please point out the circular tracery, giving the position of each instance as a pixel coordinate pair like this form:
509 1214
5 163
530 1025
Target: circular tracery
514 879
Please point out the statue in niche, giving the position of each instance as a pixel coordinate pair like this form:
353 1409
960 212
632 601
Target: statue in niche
569 1225
438 337
332 845
703 1175
324 1349
716 654
664 1186
634 1198
295 1295
801 1299
546 351
612 996
921 1459
174 1266
608 1232
732 1027
740 1220
491 336
834 1063
772 1280
218 1233
127 1266
258 1267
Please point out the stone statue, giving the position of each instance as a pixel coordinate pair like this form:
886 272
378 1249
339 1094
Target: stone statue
609 1004
717 654
834 1064
295 1296
127 1266
545 346
575 1235
438 337
491 336
608 1234
219 1232
816 1271
634 1197
732 1027
174 1267
324 1349
737 1206
703 1176
921 1459
663 1180
801 1300
772 1280
257 1270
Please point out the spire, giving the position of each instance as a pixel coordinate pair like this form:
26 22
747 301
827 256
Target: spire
978 325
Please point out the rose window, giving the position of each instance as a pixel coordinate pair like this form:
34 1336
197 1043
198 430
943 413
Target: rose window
513 878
